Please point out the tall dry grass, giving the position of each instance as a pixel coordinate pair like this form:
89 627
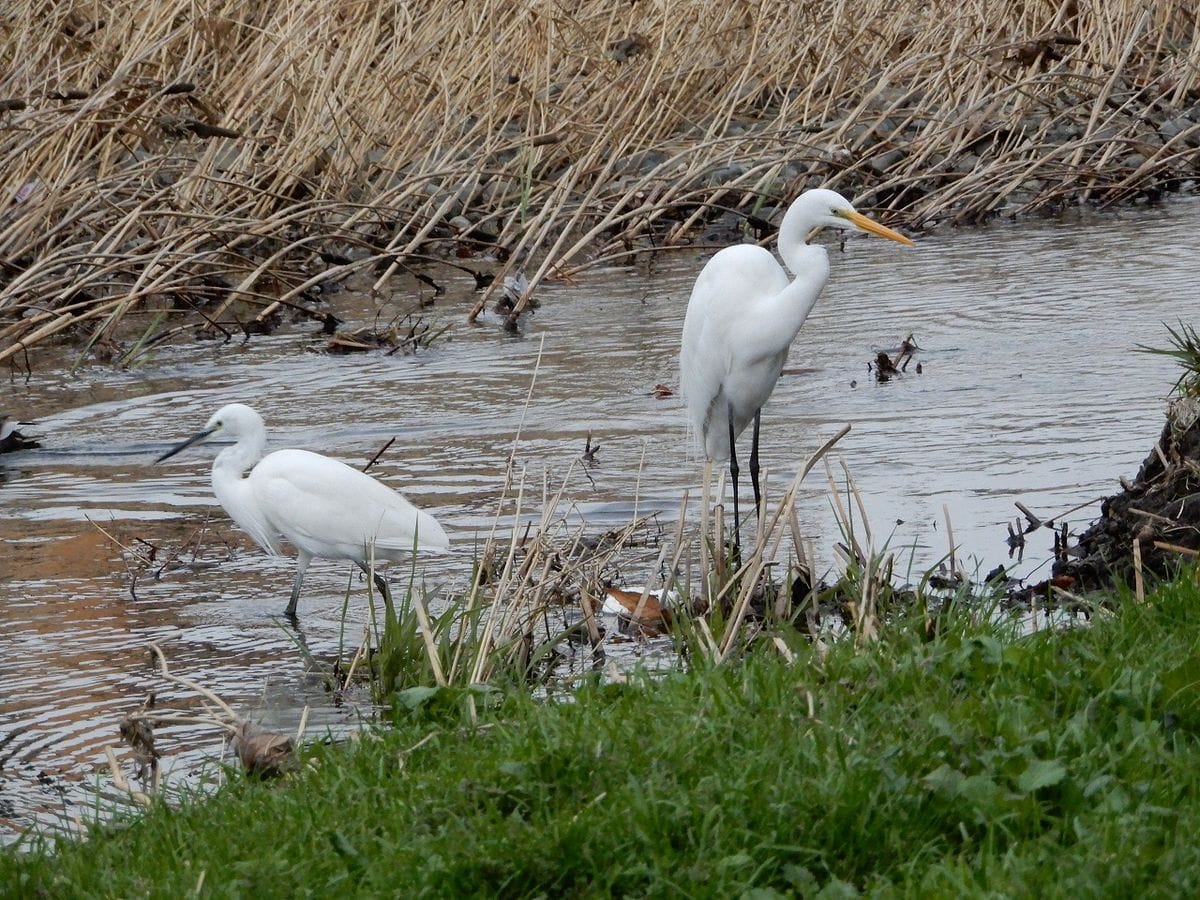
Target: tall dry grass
214 162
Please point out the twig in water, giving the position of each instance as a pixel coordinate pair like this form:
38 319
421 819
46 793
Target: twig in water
1034 521
382 450
589 450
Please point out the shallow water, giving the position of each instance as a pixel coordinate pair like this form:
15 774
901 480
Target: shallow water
1029 391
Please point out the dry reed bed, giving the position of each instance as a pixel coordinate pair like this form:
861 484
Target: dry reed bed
543 584
215 164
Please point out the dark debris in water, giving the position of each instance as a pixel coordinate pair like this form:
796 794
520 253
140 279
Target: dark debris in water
137 732
11 439
890 362
264 754
407 335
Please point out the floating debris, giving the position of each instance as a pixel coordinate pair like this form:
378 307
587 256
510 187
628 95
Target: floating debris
590 450
893 361
642 612
409 334
262 753
11 439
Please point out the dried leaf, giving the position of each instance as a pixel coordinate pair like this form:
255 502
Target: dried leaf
264 753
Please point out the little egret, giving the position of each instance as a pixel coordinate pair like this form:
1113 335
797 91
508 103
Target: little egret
741 319
323 507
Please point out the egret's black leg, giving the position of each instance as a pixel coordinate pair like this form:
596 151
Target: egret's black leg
380 583
754 465
733 475
302 561
290 612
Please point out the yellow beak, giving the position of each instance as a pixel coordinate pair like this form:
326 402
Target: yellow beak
874 227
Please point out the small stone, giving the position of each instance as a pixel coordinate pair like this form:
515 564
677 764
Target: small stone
1182 128
882 162
966 164
639 163
724 175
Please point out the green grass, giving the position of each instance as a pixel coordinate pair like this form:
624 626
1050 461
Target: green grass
1185 348
979 763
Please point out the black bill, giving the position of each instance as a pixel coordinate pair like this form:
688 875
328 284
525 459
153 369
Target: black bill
198 436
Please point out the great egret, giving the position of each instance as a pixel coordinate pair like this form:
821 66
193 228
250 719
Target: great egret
742 317
323 507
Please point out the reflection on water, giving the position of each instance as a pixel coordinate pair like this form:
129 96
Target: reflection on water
1029 391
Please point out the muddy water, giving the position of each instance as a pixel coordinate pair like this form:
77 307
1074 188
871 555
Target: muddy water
1029 391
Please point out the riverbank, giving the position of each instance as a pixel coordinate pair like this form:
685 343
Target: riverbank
1062 763
172 175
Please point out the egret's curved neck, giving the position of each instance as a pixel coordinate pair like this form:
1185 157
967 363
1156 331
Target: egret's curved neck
236 460
808 263
232 490
798 255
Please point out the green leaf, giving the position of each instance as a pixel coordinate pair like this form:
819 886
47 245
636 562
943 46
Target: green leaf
800 878
414 697
1041 773
736 861
836 889
762 893
943 780
979 790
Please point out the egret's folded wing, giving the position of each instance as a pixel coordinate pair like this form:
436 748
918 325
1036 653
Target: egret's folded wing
333 510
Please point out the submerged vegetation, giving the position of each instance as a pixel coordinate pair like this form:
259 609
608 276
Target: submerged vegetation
171 171
968 761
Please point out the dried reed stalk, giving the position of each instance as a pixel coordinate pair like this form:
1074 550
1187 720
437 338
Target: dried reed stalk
214 164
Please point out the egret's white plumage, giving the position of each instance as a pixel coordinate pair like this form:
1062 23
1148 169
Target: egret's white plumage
323 507
743 315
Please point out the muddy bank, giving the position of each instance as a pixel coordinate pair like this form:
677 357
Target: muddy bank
1155 518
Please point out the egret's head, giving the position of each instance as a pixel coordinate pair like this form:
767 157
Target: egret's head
824 208
232 421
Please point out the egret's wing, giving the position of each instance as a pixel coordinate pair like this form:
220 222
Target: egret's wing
721 304
236 496
335 511
701 367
